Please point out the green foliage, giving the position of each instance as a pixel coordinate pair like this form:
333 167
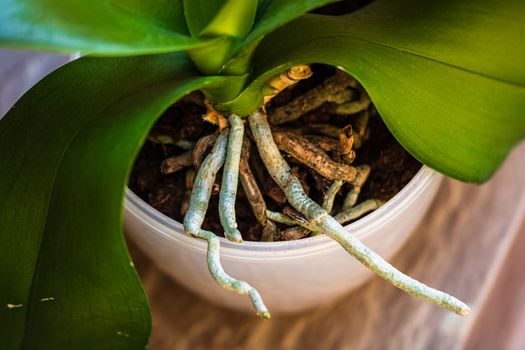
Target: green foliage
272 14
66 149
212 18
229 19
448 81
447 77
101 27
233 19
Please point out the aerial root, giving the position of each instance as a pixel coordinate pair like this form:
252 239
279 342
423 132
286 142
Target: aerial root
200 196
226 281
352 107
173 164
363 171
230 179
300 227
287 220
313 157
328 130
268 186
335 89
232 149
362 123
325 143
322 222
286 79
333 190
189 178
201 147
357 211
253 193
347 142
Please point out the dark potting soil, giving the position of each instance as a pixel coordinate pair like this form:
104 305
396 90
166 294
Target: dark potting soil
182 125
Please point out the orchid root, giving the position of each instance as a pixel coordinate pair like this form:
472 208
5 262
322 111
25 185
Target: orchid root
363 171
328 201
230 179
359 210
194 218
313 157
322 222
334 89
253 193
286 79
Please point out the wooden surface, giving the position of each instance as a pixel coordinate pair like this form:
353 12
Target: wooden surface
502 322
463 247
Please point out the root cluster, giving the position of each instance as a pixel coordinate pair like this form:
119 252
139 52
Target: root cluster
290 154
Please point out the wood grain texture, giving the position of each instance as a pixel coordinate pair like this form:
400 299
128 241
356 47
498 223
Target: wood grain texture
460 247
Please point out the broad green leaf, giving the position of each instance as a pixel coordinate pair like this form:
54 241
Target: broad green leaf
272 14
66 148
102 27
448 77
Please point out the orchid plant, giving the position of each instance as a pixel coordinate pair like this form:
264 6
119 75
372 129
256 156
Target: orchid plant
447 77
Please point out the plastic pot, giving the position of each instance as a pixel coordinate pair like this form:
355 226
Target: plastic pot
291 276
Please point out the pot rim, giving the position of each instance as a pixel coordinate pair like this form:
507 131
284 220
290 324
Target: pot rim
172 230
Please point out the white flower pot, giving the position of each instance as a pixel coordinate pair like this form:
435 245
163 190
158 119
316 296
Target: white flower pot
291 276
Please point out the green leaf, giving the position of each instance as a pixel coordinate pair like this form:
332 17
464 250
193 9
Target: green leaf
230 20
66 148
447 77
102 27
272 14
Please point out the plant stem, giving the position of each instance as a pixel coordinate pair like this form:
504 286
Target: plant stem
322 222
195 217
230 179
